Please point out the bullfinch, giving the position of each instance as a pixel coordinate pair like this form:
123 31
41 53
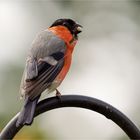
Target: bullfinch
47 64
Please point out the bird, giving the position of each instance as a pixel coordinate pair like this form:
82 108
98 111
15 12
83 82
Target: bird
47 63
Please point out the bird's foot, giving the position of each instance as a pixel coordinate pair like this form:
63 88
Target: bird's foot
58 95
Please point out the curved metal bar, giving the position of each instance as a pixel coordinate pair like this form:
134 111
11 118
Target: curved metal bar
77 101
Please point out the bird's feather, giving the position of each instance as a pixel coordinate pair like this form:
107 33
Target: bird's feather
39 75
31 69
46 74
27 113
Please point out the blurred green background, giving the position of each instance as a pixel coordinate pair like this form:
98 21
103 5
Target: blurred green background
106 64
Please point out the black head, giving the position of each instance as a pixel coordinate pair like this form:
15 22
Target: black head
73 27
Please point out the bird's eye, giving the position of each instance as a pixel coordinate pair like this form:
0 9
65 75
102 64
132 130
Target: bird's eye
65 24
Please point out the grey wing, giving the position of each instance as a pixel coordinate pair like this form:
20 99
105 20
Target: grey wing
31 69
39 75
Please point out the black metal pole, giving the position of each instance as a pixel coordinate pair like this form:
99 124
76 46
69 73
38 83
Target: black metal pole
77 101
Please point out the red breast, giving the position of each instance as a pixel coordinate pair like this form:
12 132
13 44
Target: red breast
66 35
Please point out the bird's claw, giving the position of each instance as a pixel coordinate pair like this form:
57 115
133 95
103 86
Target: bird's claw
58 95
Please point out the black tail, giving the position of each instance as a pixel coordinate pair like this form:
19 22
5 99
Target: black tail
26 115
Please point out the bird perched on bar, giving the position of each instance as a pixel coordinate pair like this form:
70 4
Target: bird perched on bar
47 64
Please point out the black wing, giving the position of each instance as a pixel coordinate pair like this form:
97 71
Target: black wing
46 74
